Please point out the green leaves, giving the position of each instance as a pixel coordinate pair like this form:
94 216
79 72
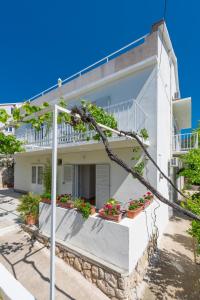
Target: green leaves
193 204
191 166
144 133
4 116
9 144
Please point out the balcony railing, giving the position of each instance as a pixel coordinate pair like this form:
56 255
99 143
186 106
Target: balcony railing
185 141
129 116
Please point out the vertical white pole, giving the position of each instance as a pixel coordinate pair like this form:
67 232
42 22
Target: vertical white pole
53 205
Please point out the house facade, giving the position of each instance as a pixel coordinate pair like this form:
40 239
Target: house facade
140 87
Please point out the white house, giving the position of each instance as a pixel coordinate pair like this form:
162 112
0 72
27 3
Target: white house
140 86
8 107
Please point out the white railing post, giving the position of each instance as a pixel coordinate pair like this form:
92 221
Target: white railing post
53 203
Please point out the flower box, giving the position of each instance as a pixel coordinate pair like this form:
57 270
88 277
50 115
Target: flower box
68 205
46 200
116 218
132 213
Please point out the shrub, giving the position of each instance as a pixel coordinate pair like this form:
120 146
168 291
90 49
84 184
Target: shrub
83 207
29 205
193 204
191 166
46 196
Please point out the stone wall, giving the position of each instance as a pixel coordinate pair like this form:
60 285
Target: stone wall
114 284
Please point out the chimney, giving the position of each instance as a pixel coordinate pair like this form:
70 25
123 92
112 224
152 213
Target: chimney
155 26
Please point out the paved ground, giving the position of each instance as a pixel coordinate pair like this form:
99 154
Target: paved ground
28 261
174 275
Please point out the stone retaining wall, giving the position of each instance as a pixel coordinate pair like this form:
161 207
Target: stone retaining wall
115 285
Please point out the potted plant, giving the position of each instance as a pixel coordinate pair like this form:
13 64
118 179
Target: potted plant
85 208
46 198
29 208
111 210
148 197
134 209
65 201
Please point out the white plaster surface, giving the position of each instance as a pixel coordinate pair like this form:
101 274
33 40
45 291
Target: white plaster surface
119 244
10 288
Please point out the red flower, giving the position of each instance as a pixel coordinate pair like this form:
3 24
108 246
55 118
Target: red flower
118 206
148 193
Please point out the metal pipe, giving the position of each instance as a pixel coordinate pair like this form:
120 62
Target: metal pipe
53 204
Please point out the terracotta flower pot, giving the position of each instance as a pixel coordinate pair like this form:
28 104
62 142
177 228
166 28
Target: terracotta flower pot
115 218
134 212
46 200
31 220
66 204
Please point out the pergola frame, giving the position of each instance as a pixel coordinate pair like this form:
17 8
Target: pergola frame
56 108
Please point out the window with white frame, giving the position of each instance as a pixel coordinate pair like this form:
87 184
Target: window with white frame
37 174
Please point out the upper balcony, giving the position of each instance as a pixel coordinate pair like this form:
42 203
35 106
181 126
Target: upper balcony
184 142
129 115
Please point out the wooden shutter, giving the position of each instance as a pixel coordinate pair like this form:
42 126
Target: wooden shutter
102 184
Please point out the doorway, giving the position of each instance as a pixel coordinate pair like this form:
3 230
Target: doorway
90 182
87 183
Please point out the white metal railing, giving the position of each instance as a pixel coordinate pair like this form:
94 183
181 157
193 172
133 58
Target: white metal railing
129 116
185 142
100 62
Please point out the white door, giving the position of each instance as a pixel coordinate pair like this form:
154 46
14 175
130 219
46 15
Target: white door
102 184
67 182
37 179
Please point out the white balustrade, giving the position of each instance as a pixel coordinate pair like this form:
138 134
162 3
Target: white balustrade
129 116
185 142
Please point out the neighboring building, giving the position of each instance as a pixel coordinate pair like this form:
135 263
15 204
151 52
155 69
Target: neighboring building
6 164
8 107
140 87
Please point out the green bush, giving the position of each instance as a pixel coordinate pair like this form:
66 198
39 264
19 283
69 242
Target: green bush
29 205
191 166
193 204
83 207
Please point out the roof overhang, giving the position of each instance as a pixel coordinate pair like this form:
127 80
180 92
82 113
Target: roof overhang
182 111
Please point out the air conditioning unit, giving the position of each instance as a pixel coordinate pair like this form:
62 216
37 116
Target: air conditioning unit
174 162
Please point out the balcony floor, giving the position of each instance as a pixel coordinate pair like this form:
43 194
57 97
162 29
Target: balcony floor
115 143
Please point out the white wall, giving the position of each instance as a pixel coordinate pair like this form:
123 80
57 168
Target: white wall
118 244
122 185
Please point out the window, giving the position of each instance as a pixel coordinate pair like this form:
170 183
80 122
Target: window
40 175
37 175
34 174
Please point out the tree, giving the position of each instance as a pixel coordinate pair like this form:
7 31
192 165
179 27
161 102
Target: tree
9 144
89 116
191 166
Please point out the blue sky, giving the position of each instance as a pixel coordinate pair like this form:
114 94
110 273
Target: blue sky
44 40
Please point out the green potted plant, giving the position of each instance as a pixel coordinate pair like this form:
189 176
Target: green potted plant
134 209
29 208
65 201
111 211
148 198
46 198
85 208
